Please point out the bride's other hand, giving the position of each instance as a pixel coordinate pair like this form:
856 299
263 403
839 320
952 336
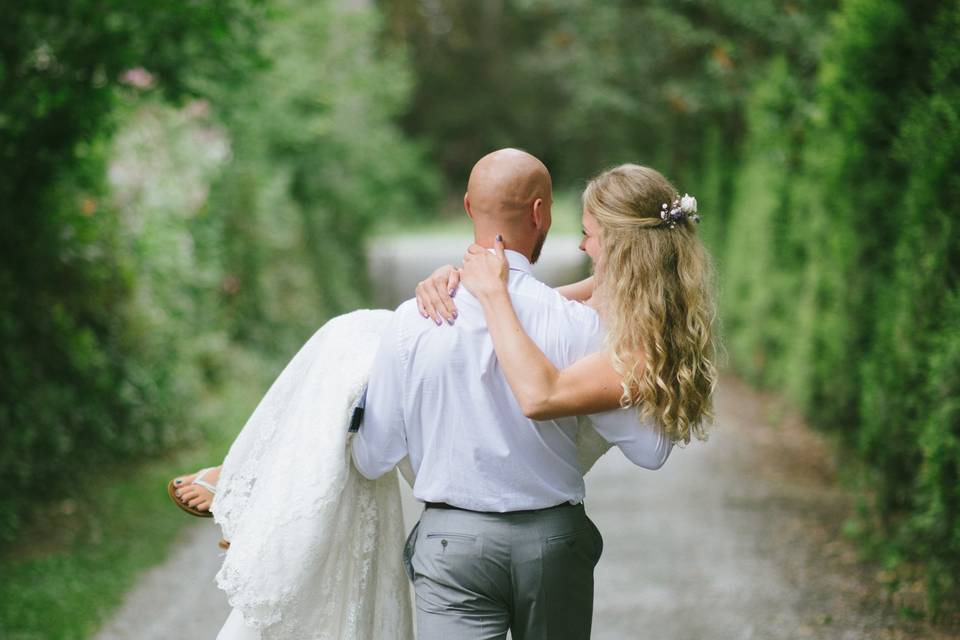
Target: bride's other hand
435 294
485 273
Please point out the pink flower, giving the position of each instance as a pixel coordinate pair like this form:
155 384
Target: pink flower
137 77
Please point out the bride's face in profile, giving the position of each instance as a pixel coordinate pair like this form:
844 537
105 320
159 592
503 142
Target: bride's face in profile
590 244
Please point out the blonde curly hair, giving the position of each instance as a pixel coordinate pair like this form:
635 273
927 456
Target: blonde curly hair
655 284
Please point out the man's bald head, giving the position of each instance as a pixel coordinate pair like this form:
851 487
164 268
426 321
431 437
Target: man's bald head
510 192
504 184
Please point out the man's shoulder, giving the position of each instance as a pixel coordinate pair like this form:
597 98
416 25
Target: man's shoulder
407 308
407 320
547 300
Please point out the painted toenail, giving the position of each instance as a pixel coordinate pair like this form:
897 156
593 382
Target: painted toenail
177 481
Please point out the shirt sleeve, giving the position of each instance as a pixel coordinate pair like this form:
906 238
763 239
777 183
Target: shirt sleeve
381 441
642 444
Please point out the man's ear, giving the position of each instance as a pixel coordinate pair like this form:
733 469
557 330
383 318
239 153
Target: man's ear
536 215
466 205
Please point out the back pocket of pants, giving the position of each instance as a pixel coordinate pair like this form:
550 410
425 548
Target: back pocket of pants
450 543
580 544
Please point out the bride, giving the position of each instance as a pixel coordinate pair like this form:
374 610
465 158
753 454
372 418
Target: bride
316 546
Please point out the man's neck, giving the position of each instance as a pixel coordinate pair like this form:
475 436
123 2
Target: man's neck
524 249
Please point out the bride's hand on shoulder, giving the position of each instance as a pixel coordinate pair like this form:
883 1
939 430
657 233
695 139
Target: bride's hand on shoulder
485 273
435 294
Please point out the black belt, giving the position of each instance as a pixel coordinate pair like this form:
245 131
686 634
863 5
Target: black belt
444 505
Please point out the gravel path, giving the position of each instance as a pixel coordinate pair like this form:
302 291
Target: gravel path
177 599
734 539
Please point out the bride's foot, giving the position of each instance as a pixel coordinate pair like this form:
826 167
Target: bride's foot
195 491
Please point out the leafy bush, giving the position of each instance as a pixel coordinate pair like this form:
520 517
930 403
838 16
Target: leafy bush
585 85
317 161
841 265
146 239
83 379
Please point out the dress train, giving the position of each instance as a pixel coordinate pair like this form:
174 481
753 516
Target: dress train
315 548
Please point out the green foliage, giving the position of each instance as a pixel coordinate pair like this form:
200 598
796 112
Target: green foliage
910 422
78 560
584 85
841 264
83 378
99 369
147 239
764 255
317 162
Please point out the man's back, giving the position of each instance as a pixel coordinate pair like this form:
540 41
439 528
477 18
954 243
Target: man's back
442 388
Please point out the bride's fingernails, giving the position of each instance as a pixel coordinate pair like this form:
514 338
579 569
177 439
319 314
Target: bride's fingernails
439 322
499 238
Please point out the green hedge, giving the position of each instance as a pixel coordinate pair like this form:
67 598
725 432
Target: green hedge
220 200
317 161
84 380
841 264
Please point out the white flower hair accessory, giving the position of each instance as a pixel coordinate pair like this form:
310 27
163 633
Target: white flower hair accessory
685 207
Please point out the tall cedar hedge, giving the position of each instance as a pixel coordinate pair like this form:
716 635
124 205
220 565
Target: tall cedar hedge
841 261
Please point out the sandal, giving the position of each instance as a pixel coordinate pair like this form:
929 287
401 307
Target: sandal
172 492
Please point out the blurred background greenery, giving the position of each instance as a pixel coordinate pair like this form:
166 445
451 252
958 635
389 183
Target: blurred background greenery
186 191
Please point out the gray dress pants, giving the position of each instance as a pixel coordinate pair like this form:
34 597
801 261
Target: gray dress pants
476 575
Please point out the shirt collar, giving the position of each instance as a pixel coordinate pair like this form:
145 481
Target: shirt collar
517 261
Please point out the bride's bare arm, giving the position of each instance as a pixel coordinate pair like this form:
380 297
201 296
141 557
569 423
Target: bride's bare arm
544 392
579 291
435 293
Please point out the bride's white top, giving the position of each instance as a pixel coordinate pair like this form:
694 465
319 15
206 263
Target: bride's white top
439 395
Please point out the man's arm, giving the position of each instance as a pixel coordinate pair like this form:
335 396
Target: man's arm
381 441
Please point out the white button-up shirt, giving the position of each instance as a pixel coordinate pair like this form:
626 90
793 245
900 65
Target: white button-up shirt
438 394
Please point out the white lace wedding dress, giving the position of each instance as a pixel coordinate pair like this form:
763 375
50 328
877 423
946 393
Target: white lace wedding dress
315 548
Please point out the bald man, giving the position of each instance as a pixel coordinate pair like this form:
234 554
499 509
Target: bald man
510 192
503 542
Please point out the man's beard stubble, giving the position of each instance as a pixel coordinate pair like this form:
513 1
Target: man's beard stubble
535 255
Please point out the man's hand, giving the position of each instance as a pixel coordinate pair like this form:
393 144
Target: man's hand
435 294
